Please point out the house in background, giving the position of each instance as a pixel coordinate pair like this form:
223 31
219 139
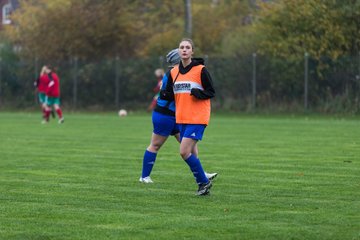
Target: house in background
6 8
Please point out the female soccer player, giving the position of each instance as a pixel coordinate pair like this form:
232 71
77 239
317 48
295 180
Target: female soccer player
41 84
164 125
53 95
191 86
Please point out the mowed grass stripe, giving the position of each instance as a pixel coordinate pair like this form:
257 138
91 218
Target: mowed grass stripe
280 178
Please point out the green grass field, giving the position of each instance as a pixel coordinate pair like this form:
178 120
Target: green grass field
280 177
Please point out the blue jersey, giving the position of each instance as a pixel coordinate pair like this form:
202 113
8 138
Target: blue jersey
161 103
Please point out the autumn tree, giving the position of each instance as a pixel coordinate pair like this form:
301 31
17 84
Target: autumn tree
160 24
59 29
320 27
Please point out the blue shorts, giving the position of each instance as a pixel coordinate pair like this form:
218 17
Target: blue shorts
164 125
194 131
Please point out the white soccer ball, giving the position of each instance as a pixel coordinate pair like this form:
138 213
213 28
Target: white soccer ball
122 113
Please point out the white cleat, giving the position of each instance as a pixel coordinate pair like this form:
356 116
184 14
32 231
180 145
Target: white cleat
146 180
61 120
211 176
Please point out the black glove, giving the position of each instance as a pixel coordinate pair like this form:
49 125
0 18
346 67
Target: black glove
196 92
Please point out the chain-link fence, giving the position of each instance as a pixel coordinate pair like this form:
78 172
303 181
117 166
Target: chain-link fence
242 83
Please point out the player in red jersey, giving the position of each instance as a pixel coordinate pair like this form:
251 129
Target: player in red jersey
159 73
41 84
53 94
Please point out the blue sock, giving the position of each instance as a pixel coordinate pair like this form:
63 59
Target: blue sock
197 170
148 163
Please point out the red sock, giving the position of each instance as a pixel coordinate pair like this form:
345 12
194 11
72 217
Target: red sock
59 112
44 113
47 115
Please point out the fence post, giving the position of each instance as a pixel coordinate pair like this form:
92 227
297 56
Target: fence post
36 68
357 83
206 59
161 61
117 82
188 18
359 65
358 75
254 81
36 76
0 80
75 80
306 80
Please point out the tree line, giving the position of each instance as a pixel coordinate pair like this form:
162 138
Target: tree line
281 31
